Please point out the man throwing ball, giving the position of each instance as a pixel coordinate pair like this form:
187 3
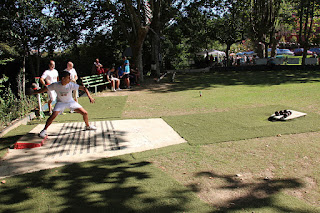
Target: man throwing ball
64 89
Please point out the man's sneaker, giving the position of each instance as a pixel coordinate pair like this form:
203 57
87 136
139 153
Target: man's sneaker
91 127
72 111
113 90
43 133
119 89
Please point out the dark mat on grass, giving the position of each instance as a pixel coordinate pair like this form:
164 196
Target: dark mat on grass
239 124
104 108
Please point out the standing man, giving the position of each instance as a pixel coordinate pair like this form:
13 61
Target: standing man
74 78
126 67
48 77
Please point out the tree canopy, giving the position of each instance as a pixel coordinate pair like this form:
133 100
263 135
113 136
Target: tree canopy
168 32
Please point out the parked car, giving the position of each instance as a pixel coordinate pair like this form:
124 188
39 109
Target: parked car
299 51
315 50
284 52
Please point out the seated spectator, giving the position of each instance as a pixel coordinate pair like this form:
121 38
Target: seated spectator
119 73
115 82
134 74
97 68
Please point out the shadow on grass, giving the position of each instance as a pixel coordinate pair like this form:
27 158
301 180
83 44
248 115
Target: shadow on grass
226 78
257 194
107 185
6 142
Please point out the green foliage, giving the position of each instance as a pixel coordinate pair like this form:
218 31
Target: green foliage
5 54
11 107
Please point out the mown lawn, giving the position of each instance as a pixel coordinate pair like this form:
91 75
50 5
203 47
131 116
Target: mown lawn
235 159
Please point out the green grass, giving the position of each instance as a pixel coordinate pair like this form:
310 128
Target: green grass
104 108
222 126
240 124
119 184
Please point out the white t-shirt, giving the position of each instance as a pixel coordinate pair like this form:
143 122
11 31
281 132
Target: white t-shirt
73 74
51 75
64 92
97 64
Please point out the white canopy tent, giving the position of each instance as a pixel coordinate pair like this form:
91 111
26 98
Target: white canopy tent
212 52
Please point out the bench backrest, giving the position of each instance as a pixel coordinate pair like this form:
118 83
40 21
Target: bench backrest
92 79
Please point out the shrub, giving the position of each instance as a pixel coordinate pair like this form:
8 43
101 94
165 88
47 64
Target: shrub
12 107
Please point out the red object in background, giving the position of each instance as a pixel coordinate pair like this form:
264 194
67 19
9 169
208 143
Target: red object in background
102 70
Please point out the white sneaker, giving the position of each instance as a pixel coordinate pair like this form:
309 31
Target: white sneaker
91 127
119 89
72 111
43 133
113 90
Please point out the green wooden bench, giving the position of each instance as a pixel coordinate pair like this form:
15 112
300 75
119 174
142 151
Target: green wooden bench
93 81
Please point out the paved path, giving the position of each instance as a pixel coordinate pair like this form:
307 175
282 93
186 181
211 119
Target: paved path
70 143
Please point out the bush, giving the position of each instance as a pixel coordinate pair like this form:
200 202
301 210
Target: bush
11 107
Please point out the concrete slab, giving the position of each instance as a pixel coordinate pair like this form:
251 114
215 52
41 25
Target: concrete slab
70 143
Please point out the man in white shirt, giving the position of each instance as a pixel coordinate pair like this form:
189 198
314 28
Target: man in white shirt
64 90
74 78
48 77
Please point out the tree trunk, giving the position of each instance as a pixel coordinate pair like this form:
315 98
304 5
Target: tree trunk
156 36
21 79
137 58
227 54
136 46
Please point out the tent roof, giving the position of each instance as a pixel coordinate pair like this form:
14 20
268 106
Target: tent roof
211 52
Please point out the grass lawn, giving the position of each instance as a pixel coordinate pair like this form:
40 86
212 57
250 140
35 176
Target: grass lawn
235 159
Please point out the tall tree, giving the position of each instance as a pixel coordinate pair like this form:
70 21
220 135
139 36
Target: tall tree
306 12
130 15
164 13
263 16
230 25
19 22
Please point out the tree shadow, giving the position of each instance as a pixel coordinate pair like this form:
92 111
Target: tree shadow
258 194
6 142
190 81
106 185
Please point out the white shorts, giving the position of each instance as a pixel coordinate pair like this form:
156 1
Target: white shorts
52 95
61 106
